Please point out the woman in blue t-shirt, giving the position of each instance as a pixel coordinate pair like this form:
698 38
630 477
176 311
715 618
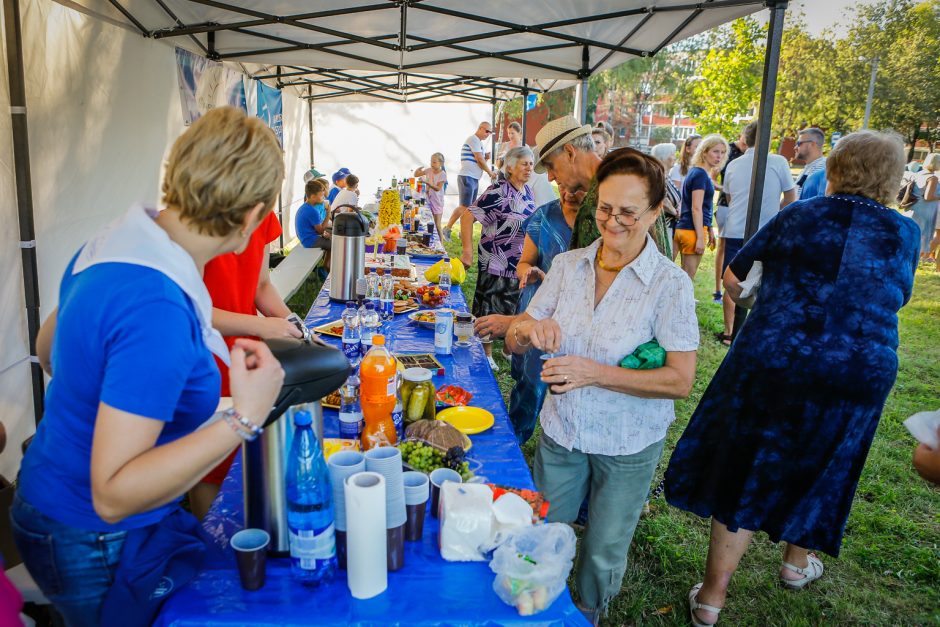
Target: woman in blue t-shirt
694 228
130 352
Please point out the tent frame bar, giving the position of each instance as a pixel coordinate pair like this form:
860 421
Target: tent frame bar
402 41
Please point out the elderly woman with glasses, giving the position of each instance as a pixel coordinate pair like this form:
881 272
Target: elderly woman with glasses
604 425
501 210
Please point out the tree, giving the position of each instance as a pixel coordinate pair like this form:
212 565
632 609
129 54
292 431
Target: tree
728 82
905 38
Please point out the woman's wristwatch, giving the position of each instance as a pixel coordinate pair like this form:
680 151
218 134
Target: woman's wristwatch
245 428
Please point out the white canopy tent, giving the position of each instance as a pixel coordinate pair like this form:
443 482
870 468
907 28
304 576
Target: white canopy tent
402 51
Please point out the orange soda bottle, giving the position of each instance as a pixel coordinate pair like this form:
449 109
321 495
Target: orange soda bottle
378 374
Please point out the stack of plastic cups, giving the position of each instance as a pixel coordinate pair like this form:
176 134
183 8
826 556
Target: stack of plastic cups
416 497
342 464
386 460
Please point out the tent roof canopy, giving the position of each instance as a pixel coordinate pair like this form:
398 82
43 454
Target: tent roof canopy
423 49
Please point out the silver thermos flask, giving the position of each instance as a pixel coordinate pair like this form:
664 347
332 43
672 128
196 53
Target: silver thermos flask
348 253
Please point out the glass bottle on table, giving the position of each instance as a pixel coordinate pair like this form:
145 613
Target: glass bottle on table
378 378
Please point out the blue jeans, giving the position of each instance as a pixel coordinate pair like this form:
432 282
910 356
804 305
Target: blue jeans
74 568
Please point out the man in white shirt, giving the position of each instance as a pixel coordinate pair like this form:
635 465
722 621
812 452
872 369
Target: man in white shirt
737 183
473 157
809 147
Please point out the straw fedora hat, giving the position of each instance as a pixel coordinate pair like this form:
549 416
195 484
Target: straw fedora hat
556 134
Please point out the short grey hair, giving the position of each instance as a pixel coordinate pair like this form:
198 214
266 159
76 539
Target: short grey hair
815 134
584 143
663 151
867 163
514 154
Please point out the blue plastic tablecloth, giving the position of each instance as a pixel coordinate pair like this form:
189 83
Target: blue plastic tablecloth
428 590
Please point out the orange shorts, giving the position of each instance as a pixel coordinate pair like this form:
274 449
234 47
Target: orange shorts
685 241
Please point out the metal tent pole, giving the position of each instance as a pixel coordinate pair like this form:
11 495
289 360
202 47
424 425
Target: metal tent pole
24 194
493 128
778 9
584 75
310 121
525 104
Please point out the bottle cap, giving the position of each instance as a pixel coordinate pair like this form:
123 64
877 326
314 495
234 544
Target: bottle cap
302 418
417 374
370 304
350 303
378 340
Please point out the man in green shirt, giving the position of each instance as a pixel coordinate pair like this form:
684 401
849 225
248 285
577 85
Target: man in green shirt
566 153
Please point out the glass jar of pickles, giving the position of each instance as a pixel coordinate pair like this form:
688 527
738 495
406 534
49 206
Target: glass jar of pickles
417 395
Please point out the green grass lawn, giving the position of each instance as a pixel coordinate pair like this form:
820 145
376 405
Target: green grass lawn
889 569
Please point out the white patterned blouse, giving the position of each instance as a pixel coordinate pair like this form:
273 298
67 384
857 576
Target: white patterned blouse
650 298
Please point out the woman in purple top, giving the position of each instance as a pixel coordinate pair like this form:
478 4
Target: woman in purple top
501 210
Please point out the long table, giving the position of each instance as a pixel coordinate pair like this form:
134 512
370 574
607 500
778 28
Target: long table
428 590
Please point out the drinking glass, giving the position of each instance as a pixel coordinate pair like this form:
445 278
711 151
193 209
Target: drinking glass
463 329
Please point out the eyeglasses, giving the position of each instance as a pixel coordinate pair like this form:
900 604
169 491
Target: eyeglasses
804 141
623 219
488 131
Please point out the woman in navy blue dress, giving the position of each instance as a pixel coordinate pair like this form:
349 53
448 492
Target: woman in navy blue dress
780 437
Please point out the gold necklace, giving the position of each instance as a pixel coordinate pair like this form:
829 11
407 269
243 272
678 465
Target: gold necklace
603 266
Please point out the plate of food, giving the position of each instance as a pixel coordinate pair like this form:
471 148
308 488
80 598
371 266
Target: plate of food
404 305
425 318
420 251
331 400
334 328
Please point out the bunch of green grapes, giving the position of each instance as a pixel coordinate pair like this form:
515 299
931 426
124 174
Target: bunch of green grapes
465 472
420 456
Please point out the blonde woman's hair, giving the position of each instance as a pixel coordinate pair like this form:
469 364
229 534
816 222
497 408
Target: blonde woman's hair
932 162
685 157
220 168
867 163
707 143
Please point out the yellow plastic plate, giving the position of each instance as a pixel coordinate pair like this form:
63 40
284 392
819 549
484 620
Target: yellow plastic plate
469 420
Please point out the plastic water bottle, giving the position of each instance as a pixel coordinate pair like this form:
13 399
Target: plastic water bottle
398 412
352 334
372 286
444 280
309 507
350 409
361 287
370 322
387 297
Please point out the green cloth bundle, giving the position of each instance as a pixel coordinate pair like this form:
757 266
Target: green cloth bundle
646 357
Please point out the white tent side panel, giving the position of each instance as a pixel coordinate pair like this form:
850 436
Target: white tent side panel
376 140
103 111
16 402
296 158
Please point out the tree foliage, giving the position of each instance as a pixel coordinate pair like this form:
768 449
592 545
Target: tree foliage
727 83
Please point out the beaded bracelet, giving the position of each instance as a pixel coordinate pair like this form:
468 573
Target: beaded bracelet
248 430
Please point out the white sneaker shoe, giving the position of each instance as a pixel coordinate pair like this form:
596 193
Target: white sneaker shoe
446 233
493 364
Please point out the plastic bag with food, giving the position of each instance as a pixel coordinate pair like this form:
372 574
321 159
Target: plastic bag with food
532 566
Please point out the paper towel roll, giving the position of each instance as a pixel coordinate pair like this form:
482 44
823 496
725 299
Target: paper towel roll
367 572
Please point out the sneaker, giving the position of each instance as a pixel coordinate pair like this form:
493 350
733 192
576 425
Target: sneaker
493 364
446 233
716 298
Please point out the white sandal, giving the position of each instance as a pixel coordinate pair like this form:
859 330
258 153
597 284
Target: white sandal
695 605
812 572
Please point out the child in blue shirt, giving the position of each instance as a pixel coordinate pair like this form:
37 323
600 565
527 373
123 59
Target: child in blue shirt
312 222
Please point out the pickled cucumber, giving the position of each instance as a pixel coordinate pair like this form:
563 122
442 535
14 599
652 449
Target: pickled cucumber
417 403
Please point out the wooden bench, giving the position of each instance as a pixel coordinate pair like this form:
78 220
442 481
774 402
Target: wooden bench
291 273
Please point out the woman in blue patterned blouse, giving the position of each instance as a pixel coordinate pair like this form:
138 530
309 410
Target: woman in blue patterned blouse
780 437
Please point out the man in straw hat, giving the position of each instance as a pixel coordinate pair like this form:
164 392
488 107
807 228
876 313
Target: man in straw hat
566 152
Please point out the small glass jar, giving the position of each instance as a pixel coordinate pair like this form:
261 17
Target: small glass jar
418 395
463 329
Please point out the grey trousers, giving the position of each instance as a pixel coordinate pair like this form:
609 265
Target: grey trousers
618 488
